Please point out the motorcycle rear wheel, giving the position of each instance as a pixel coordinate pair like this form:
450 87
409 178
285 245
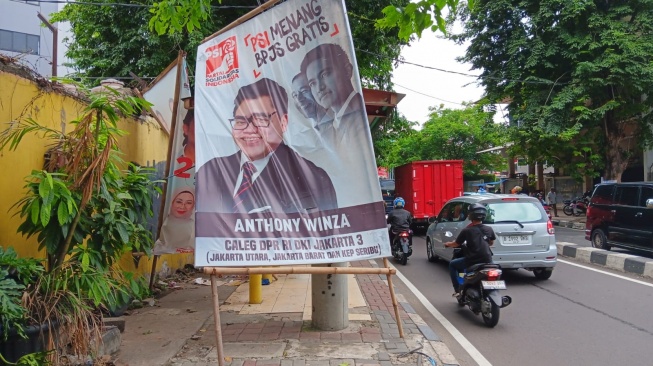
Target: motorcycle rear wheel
404 259
568 210
491 318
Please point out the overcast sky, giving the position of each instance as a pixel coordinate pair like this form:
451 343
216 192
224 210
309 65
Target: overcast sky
425 88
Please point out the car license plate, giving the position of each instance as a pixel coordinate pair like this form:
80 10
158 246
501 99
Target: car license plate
515 239
494 285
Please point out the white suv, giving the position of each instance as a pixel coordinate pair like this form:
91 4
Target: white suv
525 234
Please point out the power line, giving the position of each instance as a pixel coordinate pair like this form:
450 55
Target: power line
546 82
426 95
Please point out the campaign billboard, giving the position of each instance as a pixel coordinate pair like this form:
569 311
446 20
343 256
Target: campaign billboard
286 172
177 234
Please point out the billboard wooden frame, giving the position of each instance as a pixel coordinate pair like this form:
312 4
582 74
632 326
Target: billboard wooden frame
214 271
171 139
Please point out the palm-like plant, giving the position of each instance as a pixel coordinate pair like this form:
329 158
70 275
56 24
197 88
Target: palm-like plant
86 210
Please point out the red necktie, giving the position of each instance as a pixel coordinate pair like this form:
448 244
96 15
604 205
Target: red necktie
245 184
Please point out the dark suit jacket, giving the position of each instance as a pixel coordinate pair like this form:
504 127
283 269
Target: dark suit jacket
288 183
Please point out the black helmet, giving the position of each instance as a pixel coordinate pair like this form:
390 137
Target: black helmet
477 212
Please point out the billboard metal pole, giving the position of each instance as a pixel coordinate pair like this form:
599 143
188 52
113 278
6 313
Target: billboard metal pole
171 140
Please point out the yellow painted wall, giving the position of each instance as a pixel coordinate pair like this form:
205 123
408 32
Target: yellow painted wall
144 144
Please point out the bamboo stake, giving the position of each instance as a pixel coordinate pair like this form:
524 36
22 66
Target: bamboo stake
297 270
216 318
394 299
153 272
171 139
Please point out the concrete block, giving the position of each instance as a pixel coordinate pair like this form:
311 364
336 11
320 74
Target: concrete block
569 251
111 340
584 254
115 322
416 319
616 261
648 270
428 333
635 265
599 257
444 354
407 308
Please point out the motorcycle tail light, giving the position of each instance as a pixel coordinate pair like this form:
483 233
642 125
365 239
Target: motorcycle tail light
549 227
403 234
493 274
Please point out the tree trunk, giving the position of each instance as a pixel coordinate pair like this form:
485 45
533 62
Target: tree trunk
617 147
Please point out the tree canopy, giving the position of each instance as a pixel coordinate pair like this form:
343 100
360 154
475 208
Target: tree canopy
576 74
113 40
449 134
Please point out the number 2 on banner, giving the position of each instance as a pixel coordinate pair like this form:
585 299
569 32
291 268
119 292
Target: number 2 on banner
186 164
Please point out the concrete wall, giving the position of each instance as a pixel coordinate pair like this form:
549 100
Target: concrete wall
146 144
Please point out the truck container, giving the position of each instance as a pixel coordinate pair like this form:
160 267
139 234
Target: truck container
427 186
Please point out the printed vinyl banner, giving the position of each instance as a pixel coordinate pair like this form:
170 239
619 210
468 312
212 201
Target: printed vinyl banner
178 230
286 169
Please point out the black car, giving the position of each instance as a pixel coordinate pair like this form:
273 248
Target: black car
388 191
621 215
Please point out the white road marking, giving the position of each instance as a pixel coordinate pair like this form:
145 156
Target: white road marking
459 337
607 273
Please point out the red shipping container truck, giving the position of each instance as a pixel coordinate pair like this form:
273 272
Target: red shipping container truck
427 186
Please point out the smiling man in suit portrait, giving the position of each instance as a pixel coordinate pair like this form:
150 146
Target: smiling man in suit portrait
329 74
265 175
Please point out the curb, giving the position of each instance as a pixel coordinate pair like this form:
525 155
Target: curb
431 338
440 348
622 262
569 224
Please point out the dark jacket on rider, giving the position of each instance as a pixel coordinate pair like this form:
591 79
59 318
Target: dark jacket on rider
477 250
399 219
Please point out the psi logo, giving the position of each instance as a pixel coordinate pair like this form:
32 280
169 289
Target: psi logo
222 62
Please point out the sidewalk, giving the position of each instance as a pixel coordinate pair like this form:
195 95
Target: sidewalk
180 330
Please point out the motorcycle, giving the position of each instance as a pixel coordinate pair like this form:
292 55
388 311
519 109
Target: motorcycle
575 207
480 284
402 246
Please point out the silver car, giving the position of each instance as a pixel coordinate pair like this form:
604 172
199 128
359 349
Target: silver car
525 234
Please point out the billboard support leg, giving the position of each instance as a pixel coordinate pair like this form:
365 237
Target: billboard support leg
216 318
395 305
156 257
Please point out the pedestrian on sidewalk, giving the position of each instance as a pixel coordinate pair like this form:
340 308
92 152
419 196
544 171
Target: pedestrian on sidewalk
552 199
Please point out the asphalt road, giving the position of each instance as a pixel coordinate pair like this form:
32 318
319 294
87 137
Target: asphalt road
578 317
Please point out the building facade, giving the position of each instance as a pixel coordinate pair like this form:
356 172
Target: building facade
24 36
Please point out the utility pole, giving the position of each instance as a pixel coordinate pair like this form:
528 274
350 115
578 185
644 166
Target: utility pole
329 298
55 34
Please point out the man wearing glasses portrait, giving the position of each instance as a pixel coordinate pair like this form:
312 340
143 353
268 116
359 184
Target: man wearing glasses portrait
265 175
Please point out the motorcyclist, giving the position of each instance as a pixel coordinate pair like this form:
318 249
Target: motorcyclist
475 240
399 218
